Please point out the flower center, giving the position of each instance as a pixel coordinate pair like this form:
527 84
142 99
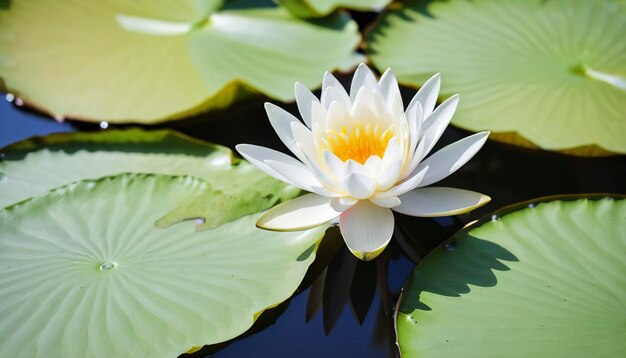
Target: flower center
359 142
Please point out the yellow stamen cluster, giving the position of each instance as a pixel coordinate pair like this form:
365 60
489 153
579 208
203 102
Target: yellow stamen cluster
359 142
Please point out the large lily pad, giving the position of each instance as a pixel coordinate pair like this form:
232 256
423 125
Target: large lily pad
532 281
148 61
34 166
85 272
553 71
320 8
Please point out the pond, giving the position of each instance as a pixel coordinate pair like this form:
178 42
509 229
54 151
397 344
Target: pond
345 307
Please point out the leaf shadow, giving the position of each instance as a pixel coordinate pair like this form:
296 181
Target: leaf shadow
459 264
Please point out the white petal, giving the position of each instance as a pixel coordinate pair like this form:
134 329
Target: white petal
303 139
363 77
373 164
335 165
363 113
318 118
427 95
305 99
391 165
366 228
388 85
374 102
450 158
299 175
338 93
440 201
337 116
257 156
386 202
281 121
359 186
326 179
415 118
304 212
357 181
394 104
343 203
436 123
415 160
409 184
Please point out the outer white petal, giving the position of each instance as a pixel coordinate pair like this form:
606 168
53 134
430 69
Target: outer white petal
305 99
409 184
281 121
304 212
388 85
338 93
367 229
436 123
427 95
325 178
299 175
363 77
386 202
343 203
450 158
257 156
440 201
303 138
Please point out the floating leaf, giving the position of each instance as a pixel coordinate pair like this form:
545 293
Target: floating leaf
553 72
34 166
320 8
148 61
86 273
544 281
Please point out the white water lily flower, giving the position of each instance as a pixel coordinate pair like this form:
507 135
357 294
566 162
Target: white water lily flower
361 156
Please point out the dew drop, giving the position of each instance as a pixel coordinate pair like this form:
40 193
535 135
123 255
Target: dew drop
18 102
104 125
107 266
450 246
9 97
531 205
59 118
494 217
200 221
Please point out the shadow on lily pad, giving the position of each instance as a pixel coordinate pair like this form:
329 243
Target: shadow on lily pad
453 275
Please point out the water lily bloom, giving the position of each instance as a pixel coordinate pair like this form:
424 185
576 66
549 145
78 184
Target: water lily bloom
361 155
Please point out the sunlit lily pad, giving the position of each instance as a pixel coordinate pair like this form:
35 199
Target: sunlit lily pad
34 166
552 72
542 279
319 8
148 61
85 272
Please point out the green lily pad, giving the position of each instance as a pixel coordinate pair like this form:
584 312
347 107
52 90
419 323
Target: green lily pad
84 271
37 165
536 280
552 72
320 8
149 61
